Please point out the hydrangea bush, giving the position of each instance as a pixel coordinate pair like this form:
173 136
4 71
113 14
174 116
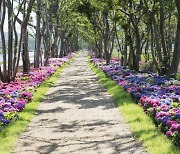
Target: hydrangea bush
15 95
159 97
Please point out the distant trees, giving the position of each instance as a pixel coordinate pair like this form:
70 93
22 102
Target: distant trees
49 34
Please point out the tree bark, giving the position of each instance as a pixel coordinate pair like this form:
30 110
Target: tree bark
16 56
38 35
176 55
125 47
156 37
138 48
62 50
106 33
47 37
3 12
25 53
10 39
54 47
165 55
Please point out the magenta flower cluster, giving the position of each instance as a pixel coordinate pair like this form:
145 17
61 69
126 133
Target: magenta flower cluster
15 95
158 96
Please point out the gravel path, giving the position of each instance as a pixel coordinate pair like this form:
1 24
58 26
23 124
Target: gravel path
78 116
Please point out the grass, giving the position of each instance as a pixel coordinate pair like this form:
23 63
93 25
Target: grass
142 126
10 134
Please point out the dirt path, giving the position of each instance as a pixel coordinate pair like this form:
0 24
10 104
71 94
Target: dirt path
78 117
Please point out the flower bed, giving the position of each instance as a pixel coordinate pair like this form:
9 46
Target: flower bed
159 97
15 95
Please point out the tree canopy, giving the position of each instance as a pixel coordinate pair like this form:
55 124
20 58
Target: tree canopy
135 28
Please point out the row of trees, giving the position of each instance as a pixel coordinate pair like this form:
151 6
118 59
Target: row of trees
133 27
50 34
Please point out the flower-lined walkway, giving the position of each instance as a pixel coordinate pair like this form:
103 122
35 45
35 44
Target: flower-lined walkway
78 116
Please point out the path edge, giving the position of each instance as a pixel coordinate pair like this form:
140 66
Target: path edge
155 141
11 133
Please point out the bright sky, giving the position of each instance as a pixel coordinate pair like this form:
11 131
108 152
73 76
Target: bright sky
33 15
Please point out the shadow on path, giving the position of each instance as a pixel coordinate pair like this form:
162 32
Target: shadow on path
78 116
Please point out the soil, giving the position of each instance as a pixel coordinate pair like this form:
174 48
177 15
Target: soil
78 116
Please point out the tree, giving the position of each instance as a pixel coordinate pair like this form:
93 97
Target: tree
38 35
3 75
25 53
176 55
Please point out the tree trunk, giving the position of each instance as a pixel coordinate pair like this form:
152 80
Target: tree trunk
25 53
38 35
158 48
165 55
146 52
62 47
138 48
3 12
18 58
125 48
47 38
121 49
54 47
10 39
137 55
15 43
131 53
47 48
176 55
169 32
1 28
152 46
47 51
106 32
